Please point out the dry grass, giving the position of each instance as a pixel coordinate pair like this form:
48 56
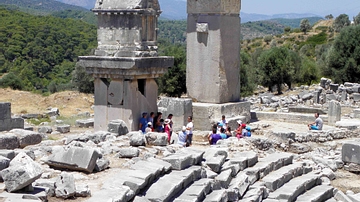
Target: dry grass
68 102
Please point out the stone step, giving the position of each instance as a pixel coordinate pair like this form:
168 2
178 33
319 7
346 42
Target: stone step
156 166
240 161
197 191
268 164
278 178
255 194
238 186
168 186
223 179
318 193
291 190
217 196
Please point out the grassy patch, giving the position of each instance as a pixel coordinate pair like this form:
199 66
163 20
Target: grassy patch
68 120
38 120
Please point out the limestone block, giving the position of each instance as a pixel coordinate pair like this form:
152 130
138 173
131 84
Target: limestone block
307 96
53 112
26 137
82 190
331 97
215 163
101 164
118 126
299 148
213 6
181 108
9 141
334 87
334 113
5 124
4 163
65 186
63 128
21 172
45 129
17 122
47 183
121 193
74 158
129 152
323 82
156 139
356 89
179 161
116 92
5 110
350 152
206 114
137 138
356 97
10 154
85 123
202 27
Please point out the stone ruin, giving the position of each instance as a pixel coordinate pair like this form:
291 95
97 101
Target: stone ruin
124 165
6 121
213 62
126 62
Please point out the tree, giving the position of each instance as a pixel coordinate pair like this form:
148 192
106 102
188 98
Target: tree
343 59
340 22
305 25
12 81
357 19
276 67
329 17
267 39
247 75
173 83
82 80
287 29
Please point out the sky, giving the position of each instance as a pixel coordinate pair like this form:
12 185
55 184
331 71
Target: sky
319 7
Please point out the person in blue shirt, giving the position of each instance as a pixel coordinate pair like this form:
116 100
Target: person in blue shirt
143 122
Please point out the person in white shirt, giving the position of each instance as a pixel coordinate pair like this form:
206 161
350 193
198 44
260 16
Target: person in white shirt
189 131
317 125
224 122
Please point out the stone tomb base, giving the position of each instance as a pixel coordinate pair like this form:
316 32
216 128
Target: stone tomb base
207 114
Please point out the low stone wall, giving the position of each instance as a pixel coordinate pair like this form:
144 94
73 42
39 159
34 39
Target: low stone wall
286 117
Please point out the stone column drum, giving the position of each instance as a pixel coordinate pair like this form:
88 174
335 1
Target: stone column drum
126 62
213 50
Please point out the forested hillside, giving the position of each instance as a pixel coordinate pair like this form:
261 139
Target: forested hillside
39 51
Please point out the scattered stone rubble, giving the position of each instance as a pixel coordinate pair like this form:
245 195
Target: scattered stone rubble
270 166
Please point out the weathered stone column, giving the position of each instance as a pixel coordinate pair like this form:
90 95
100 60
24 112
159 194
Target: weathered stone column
334 113
213 50
126 62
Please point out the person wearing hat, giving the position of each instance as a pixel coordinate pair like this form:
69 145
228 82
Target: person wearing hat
143 122
149 127
167 128
182 137
239 130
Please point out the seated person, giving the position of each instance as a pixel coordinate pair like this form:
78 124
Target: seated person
228 132
239 130
222 133
182 137
317 125
149 127
213 137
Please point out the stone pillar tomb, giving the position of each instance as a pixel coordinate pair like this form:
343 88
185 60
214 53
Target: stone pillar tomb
125 63
213 61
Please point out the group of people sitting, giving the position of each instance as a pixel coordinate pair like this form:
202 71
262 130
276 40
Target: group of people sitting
158 124
221 130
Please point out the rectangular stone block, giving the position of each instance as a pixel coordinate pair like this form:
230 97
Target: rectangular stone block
180 108
350 152
206 114
5 110
74 158
17 123
179 161
196 192
318 193
217 196
5 124
238 186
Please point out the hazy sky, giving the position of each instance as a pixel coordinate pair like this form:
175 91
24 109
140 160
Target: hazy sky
319 7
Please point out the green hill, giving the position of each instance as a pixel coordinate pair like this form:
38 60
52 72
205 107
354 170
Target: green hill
42 49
